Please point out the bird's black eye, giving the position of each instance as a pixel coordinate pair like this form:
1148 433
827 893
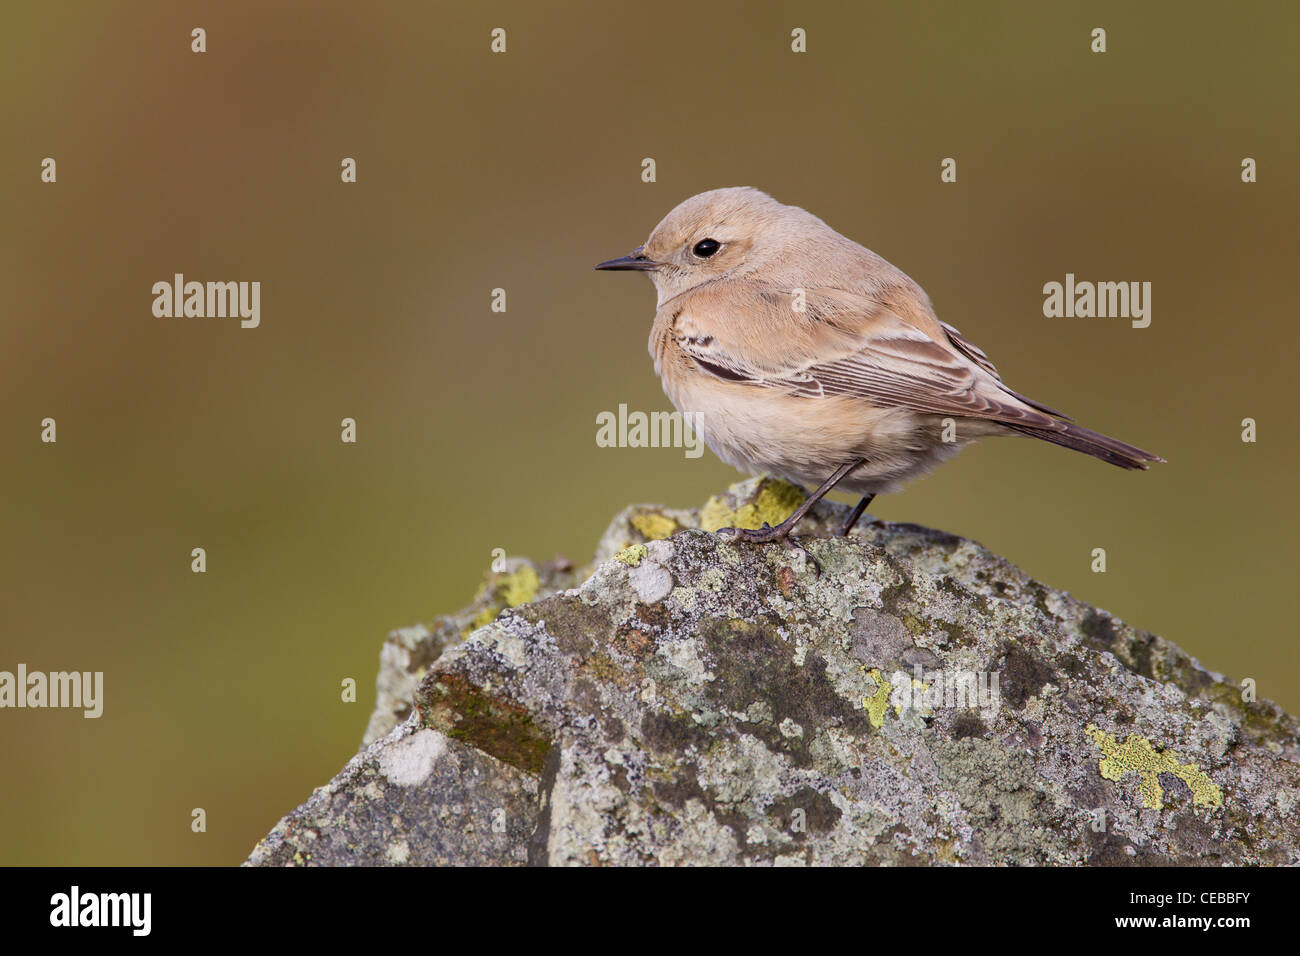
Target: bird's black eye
706 247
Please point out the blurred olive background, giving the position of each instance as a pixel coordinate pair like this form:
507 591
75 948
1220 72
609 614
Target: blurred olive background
477 429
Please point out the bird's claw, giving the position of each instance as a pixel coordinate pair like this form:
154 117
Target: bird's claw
793 544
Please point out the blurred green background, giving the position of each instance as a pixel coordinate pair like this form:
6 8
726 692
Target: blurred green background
477 429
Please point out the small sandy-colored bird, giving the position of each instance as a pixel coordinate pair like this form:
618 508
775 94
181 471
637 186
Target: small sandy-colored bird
809 357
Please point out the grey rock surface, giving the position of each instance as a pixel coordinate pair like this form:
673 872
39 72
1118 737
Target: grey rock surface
691 700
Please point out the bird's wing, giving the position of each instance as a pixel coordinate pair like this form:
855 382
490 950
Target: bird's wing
885 347
970 350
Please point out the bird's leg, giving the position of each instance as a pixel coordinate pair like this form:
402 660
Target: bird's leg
853 517
782 531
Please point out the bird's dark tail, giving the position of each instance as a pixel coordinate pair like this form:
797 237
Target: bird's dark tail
1069 435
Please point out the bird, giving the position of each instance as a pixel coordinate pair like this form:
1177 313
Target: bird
807 356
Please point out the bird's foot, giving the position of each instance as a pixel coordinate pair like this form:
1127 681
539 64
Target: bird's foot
767 534
763 535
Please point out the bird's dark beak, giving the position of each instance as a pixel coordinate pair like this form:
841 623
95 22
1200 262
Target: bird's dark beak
634 261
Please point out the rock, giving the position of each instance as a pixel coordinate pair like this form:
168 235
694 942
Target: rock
691 700
415 798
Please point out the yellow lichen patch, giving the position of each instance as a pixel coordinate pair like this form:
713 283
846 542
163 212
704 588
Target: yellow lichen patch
1136 755
877 703
520 587
775 501
654 527
509 589
632 556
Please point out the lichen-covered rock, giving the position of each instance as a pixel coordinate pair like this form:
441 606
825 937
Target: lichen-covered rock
408 651
701 701
415 798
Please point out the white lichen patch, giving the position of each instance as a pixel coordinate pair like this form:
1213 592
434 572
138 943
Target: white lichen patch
685 656
759 712
747 769
410 760
704 840
398 853
651 581
512 649
660 552
1286 800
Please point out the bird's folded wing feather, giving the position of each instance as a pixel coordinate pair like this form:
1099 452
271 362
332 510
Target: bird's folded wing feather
886 348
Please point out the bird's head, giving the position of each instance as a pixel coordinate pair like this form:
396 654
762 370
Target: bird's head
722 233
